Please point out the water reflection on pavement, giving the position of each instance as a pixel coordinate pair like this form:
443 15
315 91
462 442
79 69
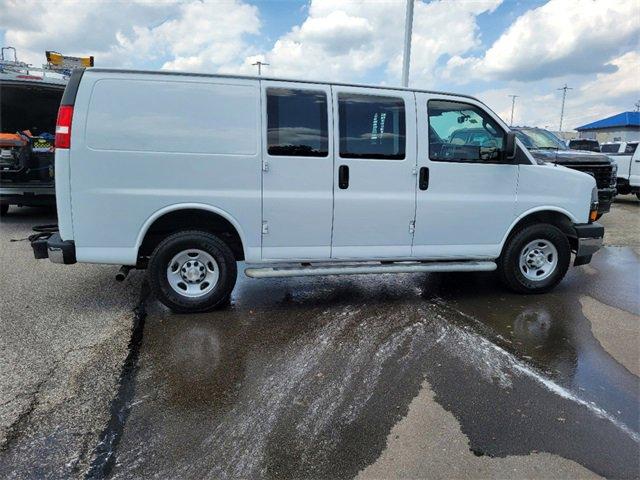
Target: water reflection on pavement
306 377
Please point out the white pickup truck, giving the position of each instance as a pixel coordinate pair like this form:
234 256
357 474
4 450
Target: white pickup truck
627 157
188 174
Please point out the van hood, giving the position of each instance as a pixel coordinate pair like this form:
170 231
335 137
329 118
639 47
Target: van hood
569 157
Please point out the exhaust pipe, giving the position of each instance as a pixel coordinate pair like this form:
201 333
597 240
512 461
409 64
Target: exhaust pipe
123 272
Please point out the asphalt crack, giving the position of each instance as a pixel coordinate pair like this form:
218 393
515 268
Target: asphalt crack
104 453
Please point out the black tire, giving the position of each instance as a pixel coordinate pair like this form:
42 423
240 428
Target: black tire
638 195
4 209
178 242
509 262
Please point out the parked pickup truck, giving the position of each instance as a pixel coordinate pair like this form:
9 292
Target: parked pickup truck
188 174
546 147
626 155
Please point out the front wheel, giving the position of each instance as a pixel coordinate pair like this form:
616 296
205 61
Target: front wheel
535 259
192 271
4 209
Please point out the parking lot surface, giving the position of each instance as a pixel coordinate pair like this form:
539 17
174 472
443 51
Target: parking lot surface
420 376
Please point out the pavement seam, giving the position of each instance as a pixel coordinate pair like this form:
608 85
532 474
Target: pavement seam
103 454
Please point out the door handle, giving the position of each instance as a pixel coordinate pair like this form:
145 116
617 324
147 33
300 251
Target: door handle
343 177
423 181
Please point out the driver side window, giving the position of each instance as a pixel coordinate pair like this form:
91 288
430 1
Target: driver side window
461 132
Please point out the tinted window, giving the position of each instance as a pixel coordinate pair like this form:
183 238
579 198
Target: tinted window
297 123
460 132
610 148
371 127
588 145
631 148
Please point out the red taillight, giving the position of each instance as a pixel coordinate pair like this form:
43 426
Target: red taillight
63 126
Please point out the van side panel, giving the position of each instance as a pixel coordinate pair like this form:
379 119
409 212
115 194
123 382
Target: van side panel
143 143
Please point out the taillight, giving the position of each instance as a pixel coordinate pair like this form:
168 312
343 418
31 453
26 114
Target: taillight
63 126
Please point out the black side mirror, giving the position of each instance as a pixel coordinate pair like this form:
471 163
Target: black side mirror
510 146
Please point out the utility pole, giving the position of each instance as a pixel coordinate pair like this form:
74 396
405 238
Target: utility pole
406 60
564 97
259 64
513 104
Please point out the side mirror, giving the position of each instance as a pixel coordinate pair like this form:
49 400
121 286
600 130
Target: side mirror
510 146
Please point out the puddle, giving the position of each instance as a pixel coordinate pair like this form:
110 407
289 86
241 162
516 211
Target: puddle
307 378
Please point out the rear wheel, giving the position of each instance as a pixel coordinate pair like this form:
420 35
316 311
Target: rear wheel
4 209
535 259
638 195
192 271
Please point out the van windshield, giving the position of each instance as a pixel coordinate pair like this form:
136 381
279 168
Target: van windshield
539 139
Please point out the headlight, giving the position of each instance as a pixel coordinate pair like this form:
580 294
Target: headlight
614 174
593 208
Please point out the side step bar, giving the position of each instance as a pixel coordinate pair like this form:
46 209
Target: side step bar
355 269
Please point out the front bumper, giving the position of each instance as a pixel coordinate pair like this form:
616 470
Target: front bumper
589 240
54 248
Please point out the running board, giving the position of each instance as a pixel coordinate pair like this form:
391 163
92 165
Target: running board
351 269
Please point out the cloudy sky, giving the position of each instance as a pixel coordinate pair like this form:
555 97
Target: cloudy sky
488 48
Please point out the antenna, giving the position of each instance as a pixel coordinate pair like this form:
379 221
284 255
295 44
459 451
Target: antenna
564 96
513 104
259 64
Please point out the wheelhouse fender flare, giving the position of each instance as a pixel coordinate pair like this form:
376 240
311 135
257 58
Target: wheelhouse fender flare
531 211
189 206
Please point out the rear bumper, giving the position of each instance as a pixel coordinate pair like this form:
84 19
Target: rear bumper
28 195
55 249
589 240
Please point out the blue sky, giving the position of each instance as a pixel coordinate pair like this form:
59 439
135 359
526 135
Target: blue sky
487 48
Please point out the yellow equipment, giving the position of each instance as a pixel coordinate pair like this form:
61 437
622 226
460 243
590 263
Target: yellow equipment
57 61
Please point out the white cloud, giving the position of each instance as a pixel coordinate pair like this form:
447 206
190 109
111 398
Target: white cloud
591 99
346 40
559 38
181 35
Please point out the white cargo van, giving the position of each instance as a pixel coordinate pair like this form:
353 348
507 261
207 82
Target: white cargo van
187 174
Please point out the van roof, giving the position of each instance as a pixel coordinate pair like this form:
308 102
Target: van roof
277 79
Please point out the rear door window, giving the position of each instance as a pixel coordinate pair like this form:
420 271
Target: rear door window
297 123
371 127
631 148
610 148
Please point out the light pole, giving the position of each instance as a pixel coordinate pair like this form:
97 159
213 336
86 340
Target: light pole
406 60
513 104
564 97
259 64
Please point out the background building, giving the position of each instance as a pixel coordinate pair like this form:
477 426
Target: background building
624 126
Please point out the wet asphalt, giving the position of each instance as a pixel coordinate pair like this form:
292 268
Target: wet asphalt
311 377
304 378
